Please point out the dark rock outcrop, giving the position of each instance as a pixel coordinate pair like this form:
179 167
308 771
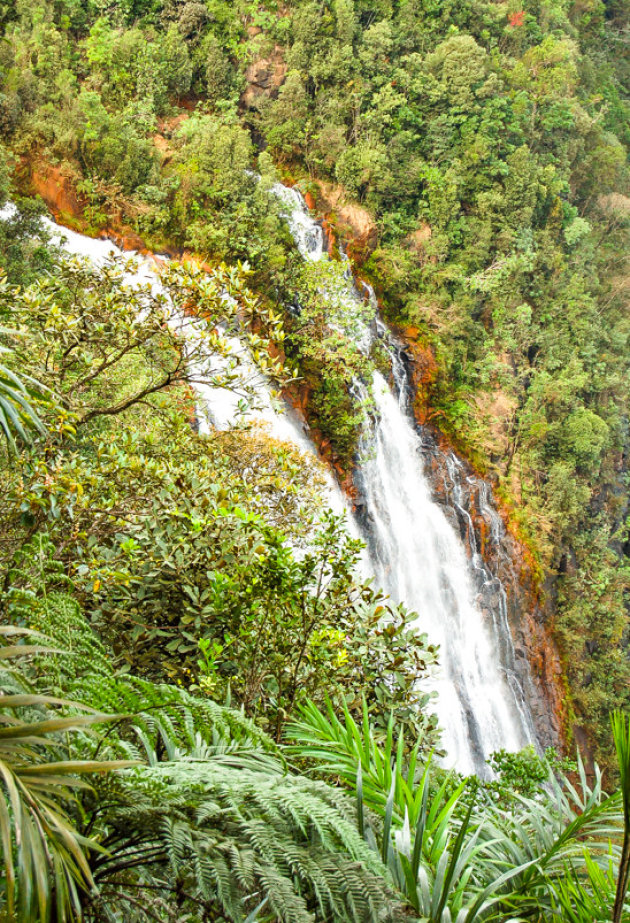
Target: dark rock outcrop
506 585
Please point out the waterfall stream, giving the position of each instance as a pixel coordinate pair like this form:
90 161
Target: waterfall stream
419 559
414 551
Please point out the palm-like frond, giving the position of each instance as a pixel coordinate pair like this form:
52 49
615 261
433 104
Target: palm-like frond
44 855
484 865
17 413
433 853
596 890
621 735
546 835
340 747
586 895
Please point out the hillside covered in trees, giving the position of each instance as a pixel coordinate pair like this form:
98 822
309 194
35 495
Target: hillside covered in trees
209 711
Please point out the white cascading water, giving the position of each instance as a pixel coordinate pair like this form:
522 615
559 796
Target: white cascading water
417 557
414 552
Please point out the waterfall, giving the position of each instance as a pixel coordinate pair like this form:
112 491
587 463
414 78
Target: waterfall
307 234
419 559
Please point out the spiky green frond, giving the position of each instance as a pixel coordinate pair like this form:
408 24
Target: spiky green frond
160 713
548 832
452 863
17 413
621 736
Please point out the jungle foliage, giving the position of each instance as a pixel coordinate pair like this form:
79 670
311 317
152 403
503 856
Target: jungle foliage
205 714
488 141
142 801
149 573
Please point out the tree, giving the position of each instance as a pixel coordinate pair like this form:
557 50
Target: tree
285 121
179 70
146 322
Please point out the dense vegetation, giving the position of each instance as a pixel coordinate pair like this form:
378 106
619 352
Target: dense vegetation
489 142
194 813
206 715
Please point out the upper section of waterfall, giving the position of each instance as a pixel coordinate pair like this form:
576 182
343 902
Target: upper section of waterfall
307 234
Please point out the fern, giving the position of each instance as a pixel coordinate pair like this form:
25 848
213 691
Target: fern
44 856
212 819
232 835
156 711
169 713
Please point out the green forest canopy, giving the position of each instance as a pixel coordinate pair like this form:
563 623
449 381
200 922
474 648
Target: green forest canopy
488 143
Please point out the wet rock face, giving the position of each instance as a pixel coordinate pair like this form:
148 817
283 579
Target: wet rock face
504 585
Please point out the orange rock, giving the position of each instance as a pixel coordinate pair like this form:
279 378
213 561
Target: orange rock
417 240
57 188
424 376
331 237
174 121
354 225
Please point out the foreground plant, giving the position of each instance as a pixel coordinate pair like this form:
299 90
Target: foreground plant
453 853
45 856
621 735
206 821
18 416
